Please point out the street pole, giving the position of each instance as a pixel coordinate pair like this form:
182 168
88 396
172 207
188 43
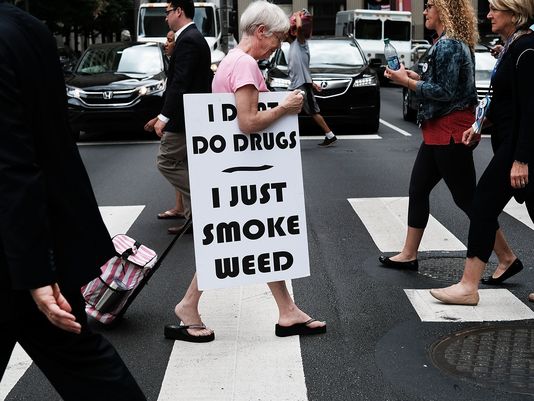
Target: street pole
224 25
136 4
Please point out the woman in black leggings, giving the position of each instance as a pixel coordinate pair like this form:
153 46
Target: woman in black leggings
512 114
447 93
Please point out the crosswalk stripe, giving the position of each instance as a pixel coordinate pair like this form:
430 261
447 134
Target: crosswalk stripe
341 137
494 305
245 362
519 212
395 128
386 222
118 220
18 364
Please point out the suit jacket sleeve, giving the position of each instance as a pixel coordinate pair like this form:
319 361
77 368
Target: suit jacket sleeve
23 216
186 49
525 87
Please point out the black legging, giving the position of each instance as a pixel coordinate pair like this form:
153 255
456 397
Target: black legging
492 193
454 164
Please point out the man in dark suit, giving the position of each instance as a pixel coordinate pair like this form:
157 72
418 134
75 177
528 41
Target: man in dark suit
189 72
52 237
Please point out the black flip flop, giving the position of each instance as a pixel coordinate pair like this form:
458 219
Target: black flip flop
179 332
302 329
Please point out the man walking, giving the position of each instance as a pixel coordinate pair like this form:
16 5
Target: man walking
52 237
300 77
189 72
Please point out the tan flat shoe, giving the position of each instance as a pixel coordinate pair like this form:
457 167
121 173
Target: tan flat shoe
441 295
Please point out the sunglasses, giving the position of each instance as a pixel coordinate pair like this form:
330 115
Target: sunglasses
428 6
167 12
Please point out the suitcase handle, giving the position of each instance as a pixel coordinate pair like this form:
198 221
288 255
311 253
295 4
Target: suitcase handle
131 251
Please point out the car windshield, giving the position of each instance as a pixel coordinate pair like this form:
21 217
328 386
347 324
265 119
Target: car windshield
397 30
334 52
484 63
369 29
138 59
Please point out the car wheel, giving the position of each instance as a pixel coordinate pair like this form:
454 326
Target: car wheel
408 113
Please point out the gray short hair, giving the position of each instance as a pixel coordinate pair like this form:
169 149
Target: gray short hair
261 12
523 10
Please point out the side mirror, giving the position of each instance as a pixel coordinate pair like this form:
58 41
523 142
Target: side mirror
375 63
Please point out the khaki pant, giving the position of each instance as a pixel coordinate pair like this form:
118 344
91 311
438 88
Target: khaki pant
172 163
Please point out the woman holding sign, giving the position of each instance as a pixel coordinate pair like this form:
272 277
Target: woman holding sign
507 175
263 28
447 93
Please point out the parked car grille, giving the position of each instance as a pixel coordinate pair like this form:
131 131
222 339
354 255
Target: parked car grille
332 87
110 98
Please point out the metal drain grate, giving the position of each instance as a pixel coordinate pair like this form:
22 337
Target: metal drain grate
495 356
447 269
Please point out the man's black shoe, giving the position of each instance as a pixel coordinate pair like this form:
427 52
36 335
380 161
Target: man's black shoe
328 142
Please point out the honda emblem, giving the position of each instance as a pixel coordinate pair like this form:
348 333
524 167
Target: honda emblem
107 95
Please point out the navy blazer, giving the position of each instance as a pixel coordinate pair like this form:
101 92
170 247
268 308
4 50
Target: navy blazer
50 226
189 72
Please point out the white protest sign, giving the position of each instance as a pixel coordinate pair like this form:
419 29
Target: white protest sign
247 196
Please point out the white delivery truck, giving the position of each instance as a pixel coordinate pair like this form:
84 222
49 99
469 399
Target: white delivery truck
371 27
152 27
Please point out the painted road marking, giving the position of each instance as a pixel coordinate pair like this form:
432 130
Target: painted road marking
118 220
18 364
245 362
303 137
395 128
318 138
386 220
494 305
519 211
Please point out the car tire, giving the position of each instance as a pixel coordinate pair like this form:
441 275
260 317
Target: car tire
408 113
372 125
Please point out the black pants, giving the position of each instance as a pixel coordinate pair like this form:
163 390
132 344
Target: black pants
492 193
454 164
81 367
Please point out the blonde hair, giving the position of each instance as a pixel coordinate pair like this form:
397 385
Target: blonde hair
523 10
459 19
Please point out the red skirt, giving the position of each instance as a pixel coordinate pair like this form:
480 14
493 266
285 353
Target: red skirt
440 130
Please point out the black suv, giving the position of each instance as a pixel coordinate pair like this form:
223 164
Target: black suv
116 86
350 88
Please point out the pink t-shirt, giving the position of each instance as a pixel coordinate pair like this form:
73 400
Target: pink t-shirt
236 70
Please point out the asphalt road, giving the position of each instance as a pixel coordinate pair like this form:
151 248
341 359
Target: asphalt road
376 348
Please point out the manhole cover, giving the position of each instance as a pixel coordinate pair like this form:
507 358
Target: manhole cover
493 356
447 269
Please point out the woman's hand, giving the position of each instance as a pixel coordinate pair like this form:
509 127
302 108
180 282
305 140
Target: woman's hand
469 138
399 76
292 104
413 75
519 175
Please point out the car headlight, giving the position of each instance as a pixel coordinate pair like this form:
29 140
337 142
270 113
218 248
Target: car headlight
73 92
367 80
151 89
279 83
